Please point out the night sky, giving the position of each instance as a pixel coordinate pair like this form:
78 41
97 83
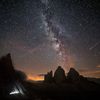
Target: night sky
42 34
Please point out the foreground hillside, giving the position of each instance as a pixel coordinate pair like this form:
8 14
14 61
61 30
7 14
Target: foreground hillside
69 90
54 87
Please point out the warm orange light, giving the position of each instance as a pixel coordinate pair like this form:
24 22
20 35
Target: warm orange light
98 66
91 73
35 78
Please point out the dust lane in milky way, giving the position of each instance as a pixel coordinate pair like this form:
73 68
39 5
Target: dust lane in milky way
54 32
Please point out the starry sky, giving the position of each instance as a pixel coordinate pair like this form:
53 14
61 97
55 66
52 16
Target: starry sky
42 34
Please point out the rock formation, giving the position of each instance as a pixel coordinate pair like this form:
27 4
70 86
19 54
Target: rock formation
48 77
73 75
10 79
59 75
6 69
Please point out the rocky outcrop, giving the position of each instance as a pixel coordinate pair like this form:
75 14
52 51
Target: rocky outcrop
59 75
7 71
49 77
10 79
73 75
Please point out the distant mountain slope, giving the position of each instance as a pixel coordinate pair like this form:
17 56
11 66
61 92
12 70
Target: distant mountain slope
96 80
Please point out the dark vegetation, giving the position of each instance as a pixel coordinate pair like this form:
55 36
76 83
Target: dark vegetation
54 87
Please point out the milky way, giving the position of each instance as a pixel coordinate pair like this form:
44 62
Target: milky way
53 32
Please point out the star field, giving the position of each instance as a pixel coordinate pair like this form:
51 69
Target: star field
42 34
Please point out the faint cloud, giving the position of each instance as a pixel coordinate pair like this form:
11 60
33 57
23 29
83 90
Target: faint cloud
98 66
90 73
41 75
